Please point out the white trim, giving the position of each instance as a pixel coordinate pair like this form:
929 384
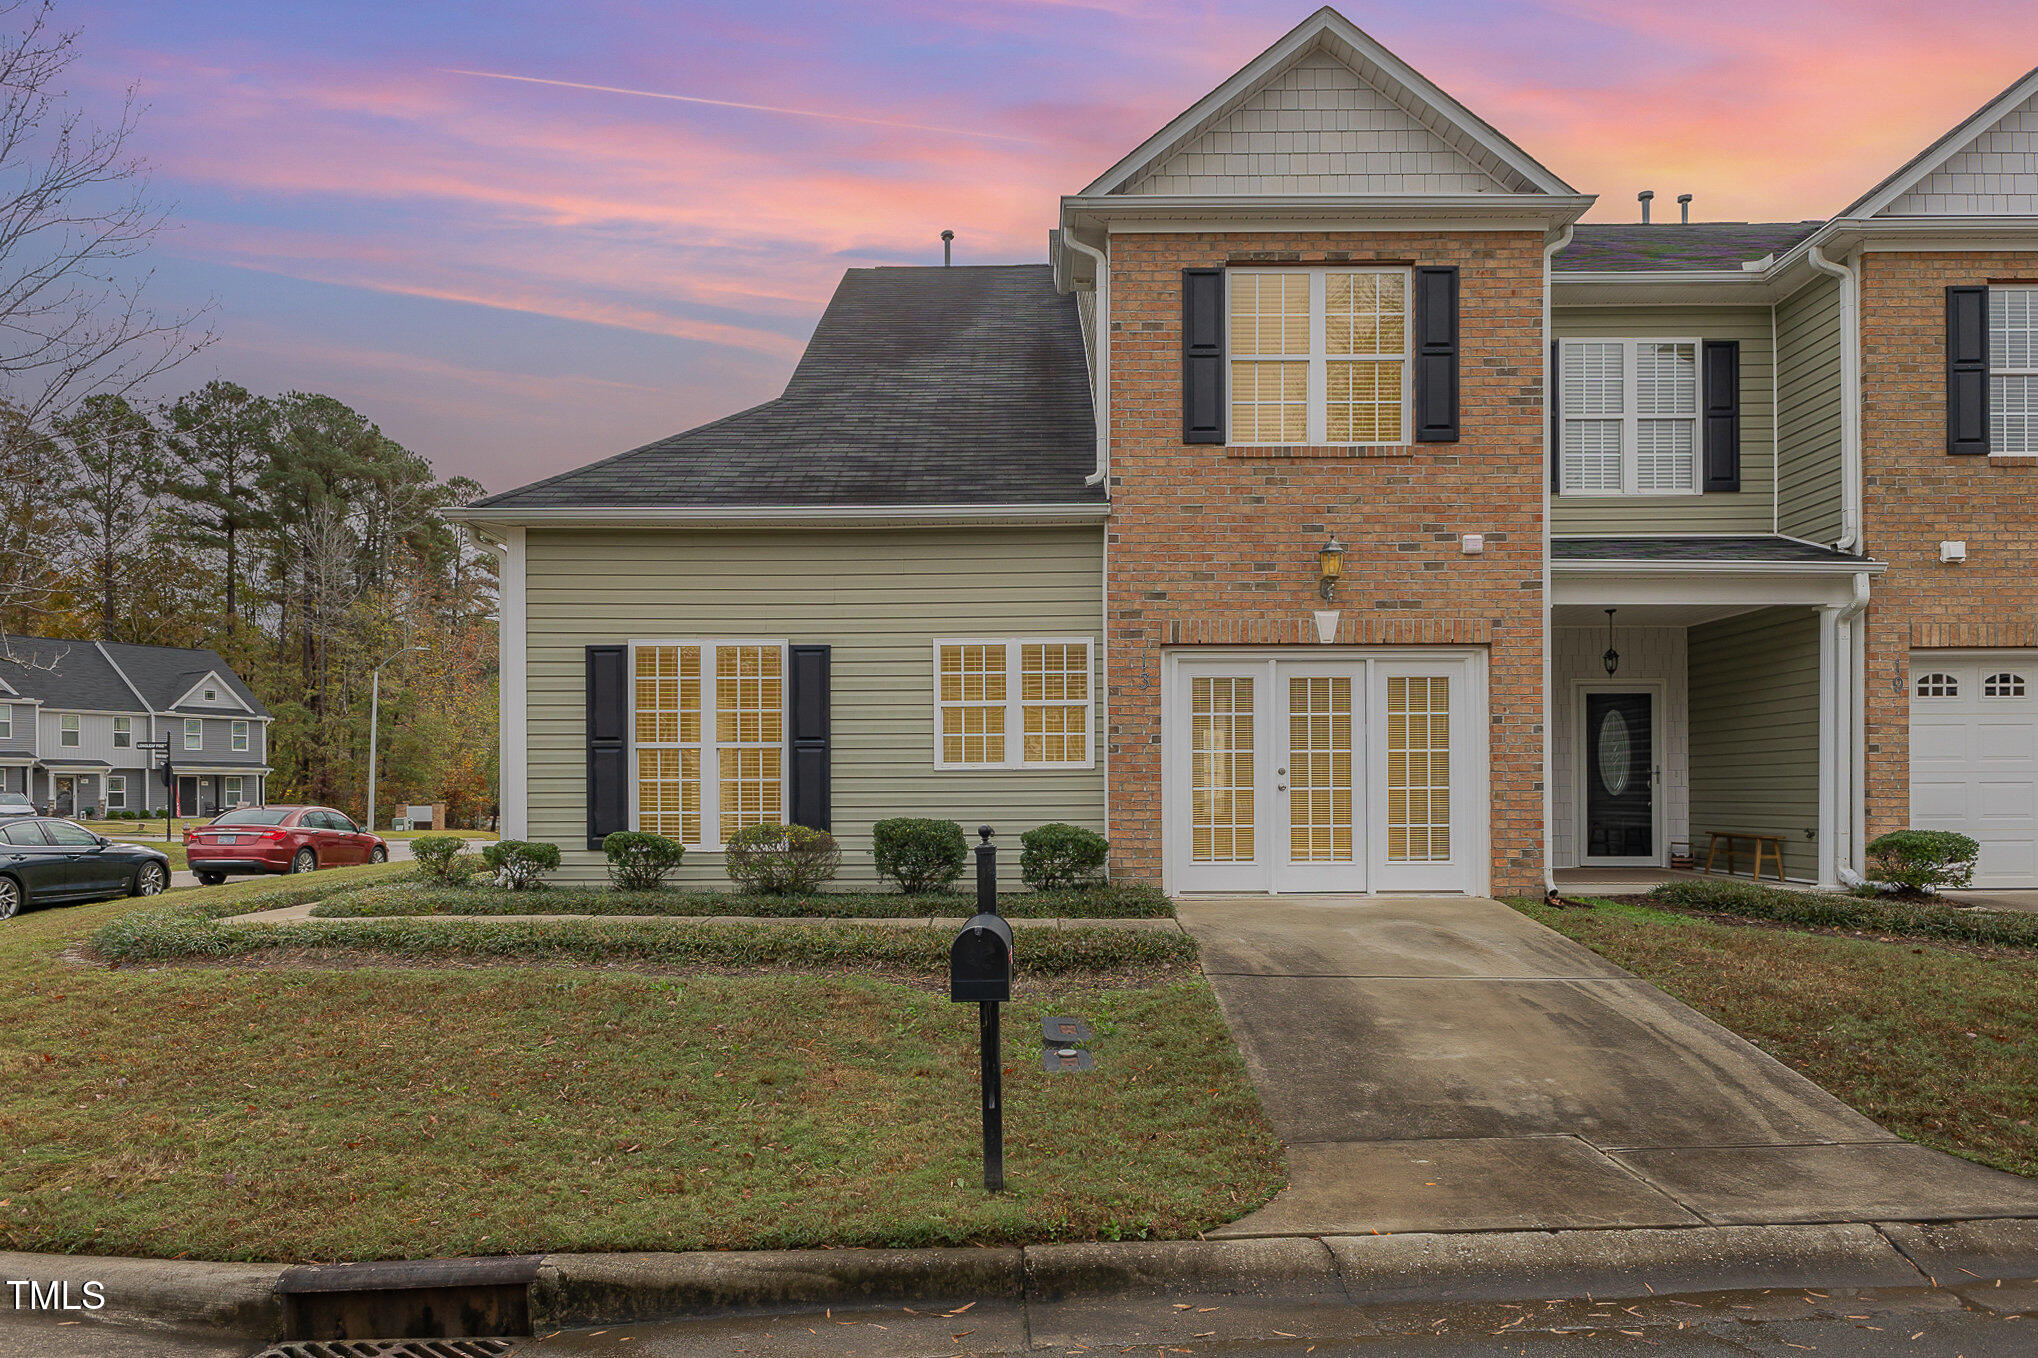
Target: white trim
116 733
238 736
77 729
1630 565
1659 703
107 793
189 742
1015 705
785 516
513 705
7 721
1617 584
1308 36
226 690
1630 417
709 745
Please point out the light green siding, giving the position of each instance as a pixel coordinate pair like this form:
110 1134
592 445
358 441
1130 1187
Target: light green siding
1754 723
879 598
1748 510
1808 423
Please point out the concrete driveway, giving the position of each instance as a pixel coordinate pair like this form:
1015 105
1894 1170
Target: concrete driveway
1446 1063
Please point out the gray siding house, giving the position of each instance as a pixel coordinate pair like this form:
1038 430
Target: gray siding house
76 718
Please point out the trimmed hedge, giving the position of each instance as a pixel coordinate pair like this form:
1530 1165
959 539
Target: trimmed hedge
423 899
1911 918
640 861
163 936
1057 855
920 855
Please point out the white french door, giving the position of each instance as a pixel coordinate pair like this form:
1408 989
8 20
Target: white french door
1341 774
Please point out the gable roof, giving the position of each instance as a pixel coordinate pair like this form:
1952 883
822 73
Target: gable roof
1432 125
1598 247
921 386
1938 179
164 674
67 674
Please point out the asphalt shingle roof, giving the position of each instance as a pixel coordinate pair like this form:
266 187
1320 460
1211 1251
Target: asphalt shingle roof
1601 247
1756 549
921 386
79 674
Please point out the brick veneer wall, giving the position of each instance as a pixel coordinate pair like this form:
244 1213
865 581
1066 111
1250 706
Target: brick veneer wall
1914 496
1206 545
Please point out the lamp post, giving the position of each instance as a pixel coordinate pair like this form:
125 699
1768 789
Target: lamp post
374 723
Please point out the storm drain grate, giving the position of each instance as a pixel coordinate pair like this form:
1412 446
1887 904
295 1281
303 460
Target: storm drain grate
391 1348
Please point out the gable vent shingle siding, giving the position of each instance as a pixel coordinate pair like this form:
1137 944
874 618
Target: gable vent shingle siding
920 386
1617 247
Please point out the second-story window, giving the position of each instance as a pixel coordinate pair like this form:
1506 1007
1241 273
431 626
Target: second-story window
1318 356
6 721
67 732
240 735
2013 371
1628 412
123 733
194 733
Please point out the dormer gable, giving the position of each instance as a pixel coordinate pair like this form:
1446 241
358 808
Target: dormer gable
1327 111
211 691
1987 166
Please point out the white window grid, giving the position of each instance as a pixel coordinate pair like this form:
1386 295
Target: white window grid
194 733
1317 358
1015 704
1938 685
709 744
1630 416
2013 371
116 792
2006 684
234 789
240 735
67 732
123 733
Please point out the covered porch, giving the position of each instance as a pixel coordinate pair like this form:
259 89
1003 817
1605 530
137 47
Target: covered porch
1717 698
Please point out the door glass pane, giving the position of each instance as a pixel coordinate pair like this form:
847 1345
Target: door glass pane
1221 772
1320 769
1418 769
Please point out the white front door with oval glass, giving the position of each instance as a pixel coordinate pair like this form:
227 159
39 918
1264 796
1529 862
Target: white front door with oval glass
1346 774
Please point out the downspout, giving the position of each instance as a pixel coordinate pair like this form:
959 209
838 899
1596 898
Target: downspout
1101 388
1850 398
1549 780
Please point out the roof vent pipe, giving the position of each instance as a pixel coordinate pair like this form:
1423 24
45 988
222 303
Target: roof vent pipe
1643 198
947 248
1684 208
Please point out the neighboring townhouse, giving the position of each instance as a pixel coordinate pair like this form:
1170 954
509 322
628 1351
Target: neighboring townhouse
1335 511
76 718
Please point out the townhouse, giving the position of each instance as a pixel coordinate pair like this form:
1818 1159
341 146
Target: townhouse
77 718
1336 511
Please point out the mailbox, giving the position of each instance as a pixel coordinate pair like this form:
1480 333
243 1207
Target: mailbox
980 961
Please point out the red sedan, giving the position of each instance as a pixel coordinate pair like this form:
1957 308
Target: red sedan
278 839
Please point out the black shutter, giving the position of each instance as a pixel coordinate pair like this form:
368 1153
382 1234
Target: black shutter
1436 354
608 742
1721 376
1555 385
1967 371
1202 355
808 742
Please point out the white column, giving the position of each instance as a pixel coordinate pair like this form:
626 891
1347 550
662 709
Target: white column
514 704
1833 726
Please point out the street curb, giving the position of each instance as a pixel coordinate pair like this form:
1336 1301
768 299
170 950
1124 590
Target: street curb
247 1300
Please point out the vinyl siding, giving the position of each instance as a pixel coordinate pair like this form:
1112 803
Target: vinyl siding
879 598
1749 510
1754 700
21 737
1650 656
1809 397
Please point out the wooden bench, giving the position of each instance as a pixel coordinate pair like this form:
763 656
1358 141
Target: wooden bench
1771 845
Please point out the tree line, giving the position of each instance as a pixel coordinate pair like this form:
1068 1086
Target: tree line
293 536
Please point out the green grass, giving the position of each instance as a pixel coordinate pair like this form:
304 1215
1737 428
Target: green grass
420 898
1876 914
1938 1045
295 1111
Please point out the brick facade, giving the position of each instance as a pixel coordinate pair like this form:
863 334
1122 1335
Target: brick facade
1914 496
1207 545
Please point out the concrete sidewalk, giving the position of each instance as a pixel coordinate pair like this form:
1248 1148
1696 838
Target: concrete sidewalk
1447 1064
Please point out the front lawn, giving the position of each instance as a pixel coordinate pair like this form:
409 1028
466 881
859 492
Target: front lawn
290 1110
1937 1043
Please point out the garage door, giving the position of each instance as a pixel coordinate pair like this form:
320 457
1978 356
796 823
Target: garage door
1974 757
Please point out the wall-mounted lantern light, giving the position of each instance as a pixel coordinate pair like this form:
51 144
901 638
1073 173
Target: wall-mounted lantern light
1612 657
1330 566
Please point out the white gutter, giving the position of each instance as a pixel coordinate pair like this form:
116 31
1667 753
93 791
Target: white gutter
1100 325
777 516
1850 397
1550 249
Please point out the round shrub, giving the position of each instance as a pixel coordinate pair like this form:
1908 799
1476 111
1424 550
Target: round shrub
779 860
919 855
640 861
520 864
442 858
1917 860
1057 855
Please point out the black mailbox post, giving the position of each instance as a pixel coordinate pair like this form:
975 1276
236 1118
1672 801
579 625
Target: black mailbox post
980 972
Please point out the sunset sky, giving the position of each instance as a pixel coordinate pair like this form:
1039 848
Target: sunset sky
517 276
